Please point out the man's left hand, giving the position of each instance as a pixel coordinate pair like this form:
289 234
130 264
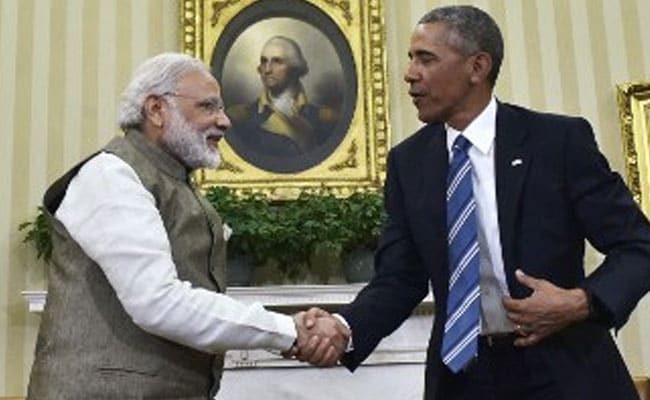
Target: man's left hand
548 310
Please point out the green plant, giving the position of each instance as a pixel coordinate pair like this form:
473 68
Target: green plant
37 233
364 216
283 231
291 232
311 223
249 217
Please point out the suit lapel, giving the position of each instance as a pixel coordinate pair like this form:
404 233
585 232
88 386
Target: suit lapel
433 164
428 166
512 159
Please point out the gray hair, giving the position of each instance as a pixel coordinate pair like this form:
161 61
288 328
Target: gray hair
294 55
471 30
154 77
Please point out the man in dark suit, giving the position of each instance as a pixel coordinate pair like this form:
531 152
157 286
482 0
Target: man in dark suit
539 187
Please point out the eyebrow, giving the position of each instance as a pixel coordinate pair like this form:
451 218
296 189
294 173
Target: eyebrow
215 100
420 53
272 58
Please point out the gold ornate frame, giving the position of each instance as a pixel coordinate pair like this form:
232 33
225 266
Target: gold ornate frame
634 115
358 162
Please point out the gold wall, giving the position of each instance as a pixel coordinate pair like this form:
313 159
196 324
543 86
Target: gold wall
64 63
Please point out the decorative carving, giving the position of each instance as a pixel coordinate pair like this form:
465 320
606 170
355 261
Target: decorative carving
225 165
350 161
634 115
344 5
379 86
635 129
217 7
189 26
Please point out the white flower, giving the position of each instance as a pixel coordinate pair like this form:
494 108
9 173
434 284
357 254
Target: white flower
227 232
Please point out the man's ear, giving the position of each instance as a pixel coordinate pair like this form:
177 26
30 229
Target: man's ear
481 67
154 111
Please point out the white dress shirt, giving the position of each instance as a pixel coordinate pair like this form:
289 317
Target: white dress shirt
114 219
481 132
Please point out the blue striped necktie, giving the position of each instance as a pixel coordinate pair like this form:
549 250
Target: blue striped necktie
460 340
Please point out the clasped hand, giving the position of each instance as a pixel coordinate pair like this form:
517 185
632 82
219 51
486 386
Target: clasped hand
322 338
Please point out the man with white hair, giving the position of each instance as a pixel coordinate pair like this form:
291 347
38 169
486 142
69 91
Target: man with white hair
134 306
282 122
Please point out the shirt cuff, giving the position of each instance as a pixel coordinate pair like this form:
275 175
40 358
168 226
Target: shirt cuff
288 333
350 347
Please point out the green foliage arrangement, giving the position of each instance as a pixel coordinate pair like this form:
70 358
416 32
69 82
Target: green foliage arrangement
290 232
364 216
37 234
248 216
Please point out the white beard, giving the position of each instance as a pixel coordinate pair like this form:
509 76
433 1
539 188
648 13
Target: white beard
188 144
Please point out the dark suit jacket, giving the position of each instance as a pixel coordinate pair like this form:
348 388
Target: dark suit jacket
561 193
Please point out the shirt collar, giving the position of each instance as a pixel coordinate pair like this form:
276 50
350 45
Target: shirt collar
480 132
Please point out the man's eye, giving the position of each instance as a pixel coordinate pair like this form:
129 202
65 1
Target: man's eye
210 106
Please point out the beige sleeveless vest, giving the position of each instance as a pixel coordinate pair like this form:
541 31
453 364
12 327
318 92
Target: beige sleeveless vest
88 347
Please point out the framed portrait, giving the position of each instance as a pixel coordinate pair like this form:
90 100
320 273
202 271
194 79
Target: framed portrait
303 82
634 115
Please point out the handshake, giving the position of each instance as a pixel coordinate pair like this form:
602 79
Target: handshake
322 338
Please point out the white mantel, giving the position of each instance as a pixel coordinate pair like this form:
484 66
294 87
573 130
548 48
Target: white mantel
277 296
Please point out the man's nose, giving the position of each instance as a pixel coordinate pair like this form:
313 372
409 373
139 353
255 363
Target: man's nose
411 75
222 121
